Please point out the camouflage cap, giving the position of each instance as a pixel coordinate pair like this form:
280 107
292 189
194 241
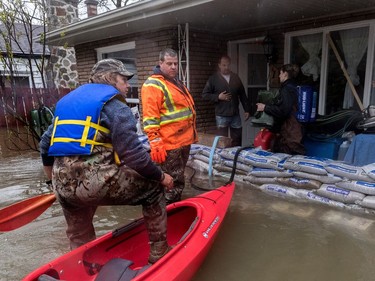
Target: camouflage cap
111 66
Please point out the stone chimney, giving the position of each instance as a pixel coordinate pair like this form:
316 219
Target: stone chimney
62 63
92 8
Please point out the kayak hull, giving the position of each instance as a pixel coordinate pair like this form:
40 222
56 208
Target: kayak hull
193 225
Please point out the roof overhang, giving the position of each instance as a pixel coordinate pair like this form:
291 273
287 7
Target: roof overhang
221 16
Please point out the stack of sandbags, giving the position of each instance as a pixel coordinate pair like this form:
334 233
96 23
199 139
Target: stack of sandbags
199 157
321 180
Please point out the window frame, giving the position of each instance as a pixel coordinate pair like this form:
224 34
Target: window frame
117 48
324 60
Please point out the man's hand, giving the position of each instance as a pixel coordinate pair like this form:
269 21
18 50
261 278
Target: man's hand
260 106
246 116
167 181
224 96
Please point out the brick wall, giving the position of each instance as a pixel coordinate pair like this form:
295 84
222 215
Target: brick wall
205 49
204 52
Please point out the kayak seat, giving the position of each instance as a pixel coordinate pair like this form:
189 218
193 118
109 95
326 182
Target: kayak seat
118 270
45 277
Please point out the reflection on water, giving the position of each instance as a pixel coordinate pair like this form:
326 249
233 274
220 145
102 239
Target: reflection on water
262 238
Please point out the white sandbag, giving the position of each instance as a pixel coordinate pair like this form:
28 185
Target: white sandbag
370 170
340 194
198 165
359 186
299 183
278 190
137 118
196 148
264 159
144 141
201 157
311 196
272 173
239 166
306 164
259 180
229 154
329 178
348 171
368 202
228 170
206 151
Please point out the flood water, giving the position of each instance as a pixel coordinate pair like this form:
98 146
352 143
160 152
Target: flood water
263 238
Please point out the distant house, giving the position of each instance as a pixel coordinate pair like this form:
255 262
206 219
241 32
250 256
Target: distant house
26 55
301 32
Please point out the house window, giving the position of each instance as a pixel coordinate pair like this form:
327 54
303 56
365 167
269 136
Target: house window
19 81
125 53
320 54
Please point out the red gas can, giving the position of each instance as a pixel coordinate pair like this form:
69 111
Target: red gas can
264 139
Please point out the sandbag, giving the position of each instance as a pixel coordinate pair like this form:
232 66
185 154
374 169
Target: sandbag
194 149
311 196
239 166
329 178
259 180
228 170
306 164
265 159
206 151
340 194
272 173
278 190
137 118
359 186
348 171
299 183
144 141
197 165
370 170
368 202
229 154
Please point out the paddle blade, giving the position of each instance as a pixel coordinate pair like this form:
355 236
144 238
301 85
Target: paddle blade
23 212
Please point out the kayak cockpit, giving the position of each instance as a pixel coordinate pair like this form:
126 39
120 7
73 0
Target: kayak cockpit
124 251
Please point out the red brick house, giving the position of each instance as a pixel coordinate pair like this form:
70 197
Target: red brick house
202 30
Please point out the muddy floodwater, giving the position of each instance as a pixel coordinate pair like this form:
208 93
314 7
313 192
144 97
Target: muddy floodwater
263 238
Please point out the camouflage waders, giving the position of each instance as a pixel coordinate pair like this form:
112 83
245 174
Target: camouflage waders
82 183
174 165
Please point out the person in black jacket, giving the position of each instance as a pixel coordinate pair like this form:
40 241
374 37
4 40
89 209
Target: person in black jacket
225 89
286 126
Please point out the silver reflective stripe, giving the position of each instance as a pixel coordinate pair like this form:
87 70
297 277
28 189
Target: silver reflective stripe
182 114
151 122
167 95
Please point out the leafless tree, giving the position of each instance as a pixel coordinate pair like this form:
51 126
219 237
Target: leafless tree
20 23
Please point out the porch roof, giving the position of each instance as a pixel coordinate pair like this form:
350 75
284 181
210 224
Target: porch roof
220 16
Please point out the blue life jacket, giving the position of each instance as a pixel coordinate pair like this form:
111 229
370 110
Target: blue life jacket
77 120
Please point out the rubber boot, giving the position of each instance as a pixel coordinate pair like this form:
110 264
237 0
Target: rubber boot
155 215
236 136
158 250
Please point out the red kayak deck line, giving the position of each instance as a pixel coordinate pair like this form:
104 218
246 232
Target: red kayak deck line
192 227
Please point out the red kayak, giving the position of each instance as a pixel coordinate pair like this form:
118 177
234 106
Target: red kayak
122 254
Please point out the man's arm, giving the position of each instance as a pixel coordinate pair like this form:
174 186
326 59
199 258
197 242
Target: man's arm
44 147
208 92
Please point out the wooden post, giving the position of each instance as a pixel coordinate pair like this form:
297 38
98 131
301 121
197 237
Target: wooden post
346 74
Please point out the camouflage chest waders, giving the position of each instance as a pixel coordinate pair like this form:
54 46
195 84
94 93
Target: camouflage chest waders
174 165
84 182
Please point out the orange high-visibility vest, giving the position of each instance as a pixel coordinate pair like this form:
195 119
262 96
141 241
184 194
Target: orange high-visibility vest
168 112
